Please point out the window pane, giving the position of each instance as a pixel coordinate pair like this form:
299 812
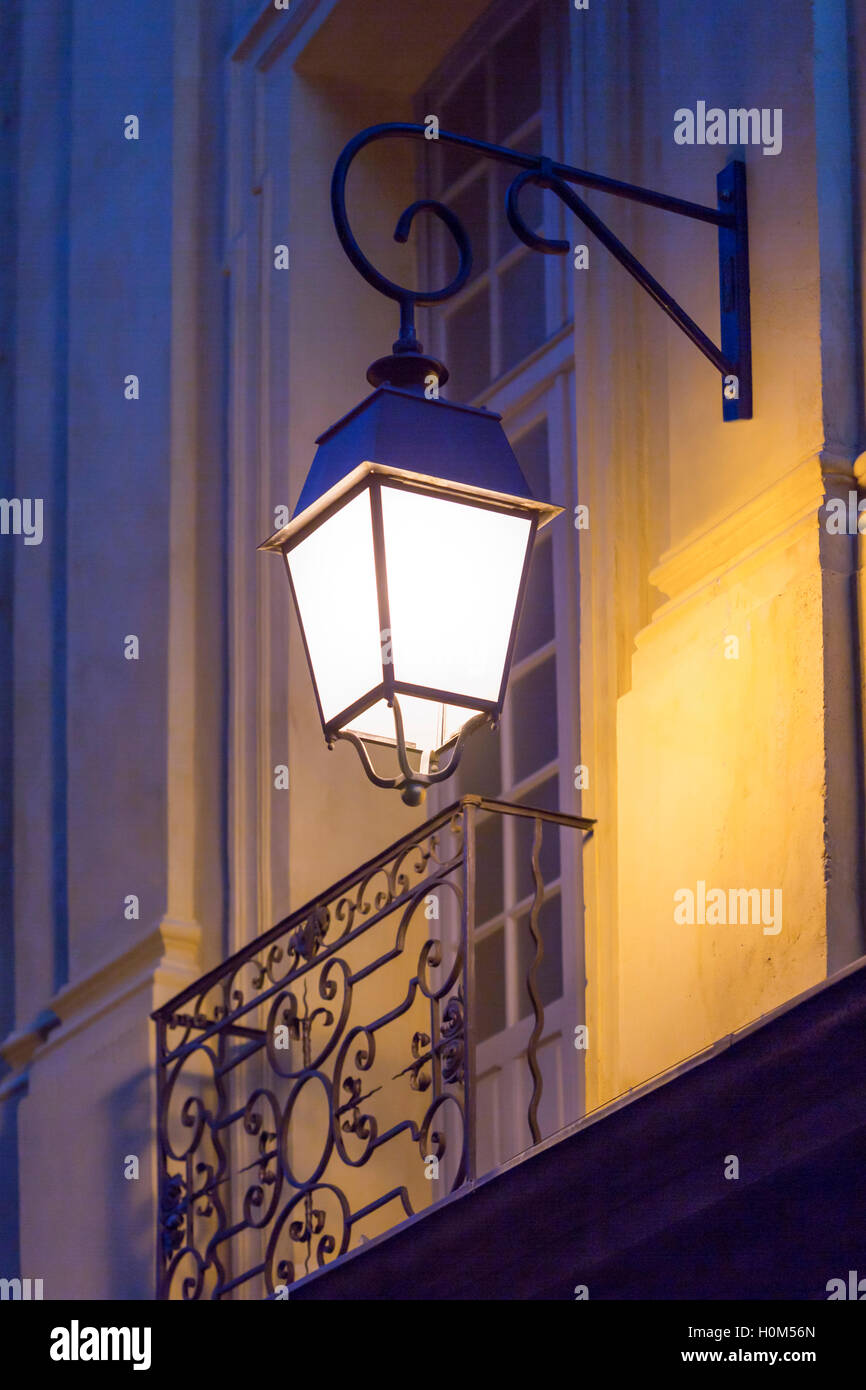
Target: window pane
468 348
549 974
517 75
471 207
489 869
536 620
532 702
546 797
534 459
464 113
524 317
490 985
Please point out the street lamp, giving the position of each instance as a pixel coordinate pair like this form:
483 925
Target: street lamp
409 548
407 557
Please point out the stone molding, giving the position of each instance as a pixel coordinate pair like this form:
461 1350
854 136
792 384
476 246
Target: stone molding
169 954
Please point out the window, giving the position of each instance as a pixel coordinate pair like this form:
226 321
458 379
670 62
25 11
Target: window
505 343
515 298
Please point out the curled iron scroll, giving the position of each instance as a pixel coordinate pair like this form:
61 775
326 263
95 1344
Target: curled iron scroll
407 298
542 178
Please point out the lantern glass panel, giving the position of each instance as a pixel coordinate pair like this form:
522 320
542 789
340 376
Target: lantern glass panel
333 571
421 722
454 572
427 724
453 719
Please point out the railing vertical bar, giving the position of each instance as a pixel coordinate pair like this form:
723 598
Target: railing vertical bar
468 942
532 986
161 1165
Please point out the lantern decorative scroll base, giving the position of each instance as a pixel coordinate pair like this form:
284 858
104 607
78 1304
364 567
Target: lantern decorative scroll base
412 782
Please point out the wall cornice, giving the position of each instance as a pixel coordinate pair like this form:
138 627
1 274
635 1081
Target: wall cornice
687 569
168 956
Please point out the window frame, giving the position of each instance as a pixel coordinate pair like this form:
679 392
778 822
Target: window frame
493 26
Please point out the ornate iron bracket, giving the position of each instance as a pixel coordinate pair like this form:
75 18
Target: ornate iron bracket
409 365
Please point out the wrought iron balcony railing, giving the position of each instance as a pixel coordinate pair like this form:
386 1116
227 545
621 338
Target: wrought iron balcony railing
318 1087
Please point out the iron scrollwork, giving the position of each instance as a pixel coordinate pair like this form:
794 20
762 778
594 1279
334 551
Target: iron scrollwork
408 363
304 1085
258 1190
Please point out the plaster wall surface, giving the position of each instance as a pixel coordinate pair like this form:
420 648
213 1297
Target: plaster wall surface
721 758
738 767
86 1230
112 276
741 56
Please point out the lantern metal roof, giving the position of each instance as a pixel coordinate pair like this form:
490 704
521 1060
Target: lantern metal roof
401 433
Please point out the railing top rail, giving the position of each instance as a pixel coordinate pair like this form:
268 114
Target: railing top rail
514 808
335 890
300 914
